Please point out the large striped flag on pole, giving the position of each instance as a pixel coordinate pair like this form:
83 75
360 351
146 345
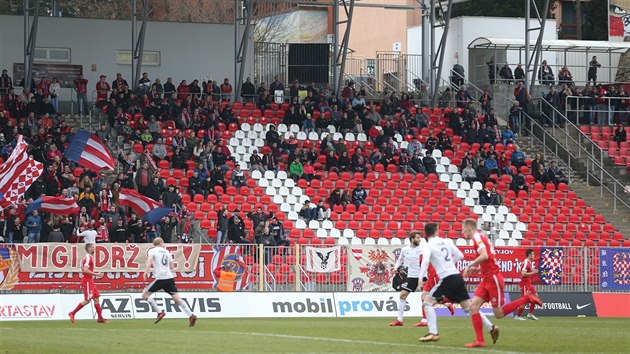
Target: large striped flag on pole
54 205
87 150
150 210
17 174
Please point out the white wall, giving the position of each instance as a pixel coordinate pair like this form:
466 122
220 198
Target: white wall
188 51
464 30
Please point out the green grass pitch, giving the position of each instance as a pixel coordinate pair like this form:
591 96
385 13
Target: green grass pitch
348 335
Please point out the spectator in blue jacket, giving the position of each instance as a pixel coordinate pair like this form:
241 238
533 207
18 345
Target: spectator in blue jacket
33 226
507 136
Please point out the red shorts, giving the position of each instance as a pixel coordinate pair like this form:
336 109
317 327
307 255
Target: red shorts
89 290
528 289
491 290
430 283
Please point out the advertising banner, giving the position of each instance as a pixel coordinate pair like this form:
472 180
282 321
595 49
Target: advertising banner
201 277
619 20
612 304
371 268
109 257
65 73
563 304
614 268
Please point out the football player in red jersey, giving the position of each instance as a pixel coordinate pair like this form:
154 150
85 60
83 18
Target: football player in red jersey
528 271
90 292
491 287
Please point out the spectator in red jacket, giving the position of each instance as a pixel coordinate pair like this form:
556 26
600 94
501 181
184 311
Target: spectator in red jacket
80 85
226 90
183 90
102 91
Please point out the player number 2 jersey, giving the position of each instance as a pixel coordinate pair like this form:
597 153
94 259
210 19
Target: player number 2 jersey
161 263
88 261
410 256
528 266
489 267
442 255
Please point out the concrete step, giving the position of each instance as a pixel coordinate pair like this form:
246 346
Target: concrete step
619 217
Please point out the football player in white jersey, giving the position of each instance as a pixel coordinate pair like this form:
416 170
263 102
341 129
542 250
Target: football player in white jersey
161 261
442 255
409 256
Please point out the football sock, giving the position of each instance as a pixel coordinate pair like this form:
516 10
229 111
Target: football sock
401 309
510 307
486 321
520 311
76 309
184 306
99 311
431 318
531 307
154 305
478 326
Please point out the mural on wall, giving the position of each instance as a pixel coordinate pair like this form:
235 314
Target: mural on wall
619 20
293 27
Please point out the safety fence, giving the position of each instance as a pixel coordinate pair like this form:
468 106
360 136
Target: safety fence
300 268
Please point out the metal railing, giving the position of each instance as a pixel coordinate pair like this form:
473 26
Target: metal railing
608 109
587 149
537 132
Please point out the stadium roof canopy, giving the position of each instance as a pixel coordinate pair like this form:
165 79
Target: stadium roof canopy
551 45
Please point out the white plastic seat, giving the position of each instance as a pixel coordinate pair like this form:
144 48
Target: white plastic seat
321 233
355 241
395 242
500 218
511 217
477 185
370 241
331 129
235 141
301 136
297 207
508 226
240 150
293 215
404 144
337 136
256 174
342 241
327 224
282 175
499 242
247 142
473 194
512 242
469 202
461 194
478 209
516 234
270 191
300 224
460 242
349 137
490 209
285 207
294 128
335 233
445 177
303 198
313 136
504 234
398 137
276 183
278 199
296 191
291 199
382 241
436 154
452 185
259 143
245 127
456 178
348 233
282 128
520 226
313 224
270 175
284 191
287 135
503 210
252 135
258 127
445 161
453 169
465 185
486 218
440 169
263 182
361 137
289 183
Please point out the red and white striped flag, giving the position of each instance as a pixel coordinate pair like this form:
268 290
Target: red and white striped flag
17 174
54 205
87 150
